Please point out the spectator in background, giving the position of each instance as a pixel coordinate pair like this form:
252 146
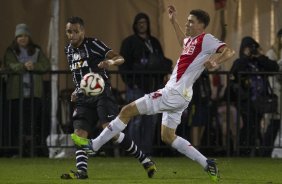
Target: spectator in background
143 52
275 53
251 59
221 106
200 108
23 57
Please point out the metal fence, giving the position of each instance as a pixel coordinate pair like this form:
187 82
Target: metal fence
26 128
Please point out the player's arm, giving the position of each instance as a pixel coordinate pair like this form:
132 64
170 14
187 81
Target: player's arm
172 17
112 59
222 55
73 96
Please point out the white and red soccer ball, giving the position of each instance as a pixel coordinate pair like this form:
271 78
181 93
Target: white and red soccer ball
92 84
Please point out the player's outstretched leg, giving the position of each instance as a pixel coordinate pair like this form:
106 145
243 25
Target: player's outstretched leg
125 143
212 170
130 147
184 147
81 164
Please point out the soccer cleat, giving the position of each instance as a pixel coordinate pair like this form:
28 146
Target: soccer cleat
84 143
150 168
212 170
75 175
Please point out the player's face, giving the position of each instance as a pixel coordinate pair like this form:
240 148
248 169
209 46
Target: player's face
193 26
75 34
22 40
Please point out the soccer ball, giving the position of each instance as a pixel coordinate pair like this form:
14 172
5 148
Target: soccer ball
92 84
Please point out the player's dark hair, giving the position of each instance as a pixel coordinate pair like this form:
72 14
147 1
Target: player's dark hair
202 16
76 20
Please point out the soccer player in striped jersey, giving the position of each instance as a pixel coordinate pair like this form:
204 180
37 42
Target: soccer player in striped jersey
86 55
200 51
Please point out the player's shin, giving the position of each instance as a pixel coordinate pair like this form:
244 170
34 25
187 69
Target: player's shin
185 147
81 160
108 133
129 146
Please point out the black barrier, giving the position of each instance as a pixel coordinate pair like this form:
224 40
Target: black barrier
221 134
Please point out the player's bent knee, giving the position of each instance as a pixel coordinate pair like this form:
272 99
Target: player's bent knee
128 112
167 135
168 138
81 133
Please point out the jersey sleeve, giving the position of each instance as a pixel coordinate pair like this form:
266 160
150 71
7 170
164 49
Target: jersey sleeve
211 44
100 47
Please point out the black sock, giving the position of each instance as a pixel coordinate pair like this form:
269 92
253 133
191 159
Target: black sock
129 146
81 160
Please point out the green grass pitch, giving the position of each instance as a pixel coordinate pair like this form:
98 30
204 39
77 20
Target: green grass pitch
172 170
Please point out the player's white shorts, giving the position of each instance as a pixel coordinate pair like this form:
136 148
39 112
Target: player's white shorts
167 101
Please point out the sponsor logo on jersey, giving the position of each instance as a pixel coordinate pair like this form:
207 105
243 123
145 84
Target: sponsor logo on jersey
76 56
79 64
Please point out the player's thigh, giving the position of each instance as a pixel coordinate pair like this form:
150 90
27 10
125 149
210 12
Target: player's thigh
156 102
85 118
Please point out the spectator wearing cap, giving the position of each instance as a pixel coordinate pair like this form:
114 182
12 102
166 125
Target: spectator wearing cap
22 29
23 57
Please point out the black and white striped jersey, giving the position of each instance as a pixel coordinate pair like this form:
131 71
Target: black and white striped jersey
85 58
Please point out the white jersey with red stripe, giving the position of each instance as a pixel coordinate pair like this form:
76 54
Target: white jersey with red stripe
190 65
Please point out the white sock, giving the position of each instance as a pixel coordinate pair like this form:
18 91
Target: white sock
108 133
184 147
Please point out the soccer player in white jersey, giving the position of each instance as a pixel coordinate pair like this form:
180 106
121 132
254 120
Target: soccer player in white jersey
200 50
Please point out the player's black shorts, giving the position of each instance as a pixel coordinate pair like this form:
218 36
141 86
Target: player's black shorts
91 112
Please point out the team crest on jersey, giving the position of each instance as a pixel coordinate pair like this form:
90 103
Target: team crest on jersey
76 56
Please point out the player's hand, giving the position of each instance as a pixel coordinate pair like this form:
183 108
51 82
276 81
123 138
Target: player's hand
171 13
106 64
211 63
73 97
